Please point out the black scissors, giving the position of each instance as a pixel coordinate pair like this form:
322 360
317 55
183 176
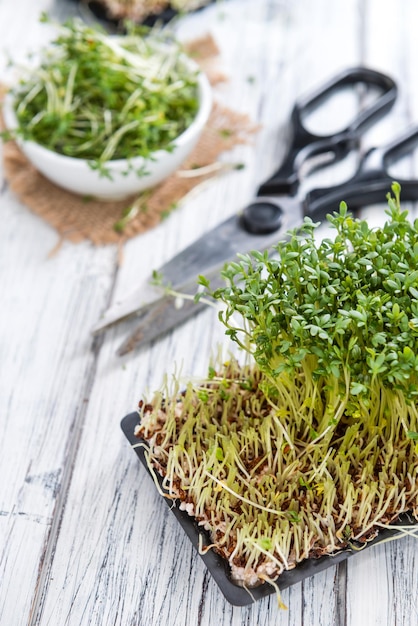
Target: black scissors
277 207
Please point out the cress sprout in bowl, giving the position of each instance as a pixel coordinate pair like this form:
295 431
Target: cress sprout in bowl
108 115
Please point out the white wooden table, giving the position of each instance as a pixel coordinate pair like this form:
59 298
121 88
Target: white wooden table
85 538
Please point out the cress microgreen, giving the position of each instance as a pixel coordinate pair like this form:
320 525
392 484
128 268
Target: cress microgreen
101 97
312 443
343 310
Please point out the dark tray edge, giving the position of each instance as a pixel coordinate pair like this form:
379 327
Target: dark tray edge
217 565
163 17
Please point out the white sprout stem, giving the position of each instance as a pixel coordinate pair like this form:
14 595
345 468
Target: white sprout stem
148 67
69 91
243 498
109 151
212 168
268 554
29 97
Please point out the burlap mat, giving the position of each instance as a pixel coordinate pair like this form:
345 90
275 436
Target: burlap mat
77 219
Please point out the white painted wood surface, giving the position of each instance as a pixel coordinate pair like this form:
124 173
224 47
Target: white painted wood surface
84 537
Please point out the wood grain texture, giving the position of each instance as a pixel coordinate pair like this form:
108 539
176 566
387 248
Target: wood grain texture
85 539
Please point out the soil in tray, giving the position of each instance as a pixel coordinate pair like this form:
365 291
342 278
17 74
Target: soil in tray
256 539
219 567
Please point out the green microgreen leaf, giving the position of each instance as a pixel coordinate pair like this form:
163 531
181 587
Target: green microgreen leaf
332 308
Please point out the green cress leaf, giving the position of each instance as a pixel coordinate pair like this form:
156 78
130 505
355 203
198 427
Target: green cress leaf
346 307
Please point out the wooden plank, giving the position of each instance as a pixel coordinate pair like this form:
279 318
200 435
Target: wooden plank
47 306
402 564
47 364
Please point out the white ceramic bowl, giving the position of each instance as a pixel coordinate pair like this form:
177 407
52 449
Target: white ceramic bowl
76 175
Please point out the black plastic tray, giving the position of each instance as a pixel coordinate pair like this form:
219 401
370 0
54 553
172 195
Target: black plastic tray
99 11
218 566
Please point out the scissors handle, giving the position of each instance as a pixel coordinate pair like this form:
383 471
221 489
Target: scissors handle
304 144
370 184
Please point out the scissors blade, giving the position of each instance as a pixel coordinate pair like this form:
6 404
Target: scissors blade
137 302
210 251
168 313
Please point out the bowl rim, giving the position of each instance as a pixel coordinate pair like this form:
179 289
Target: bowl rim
198 123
